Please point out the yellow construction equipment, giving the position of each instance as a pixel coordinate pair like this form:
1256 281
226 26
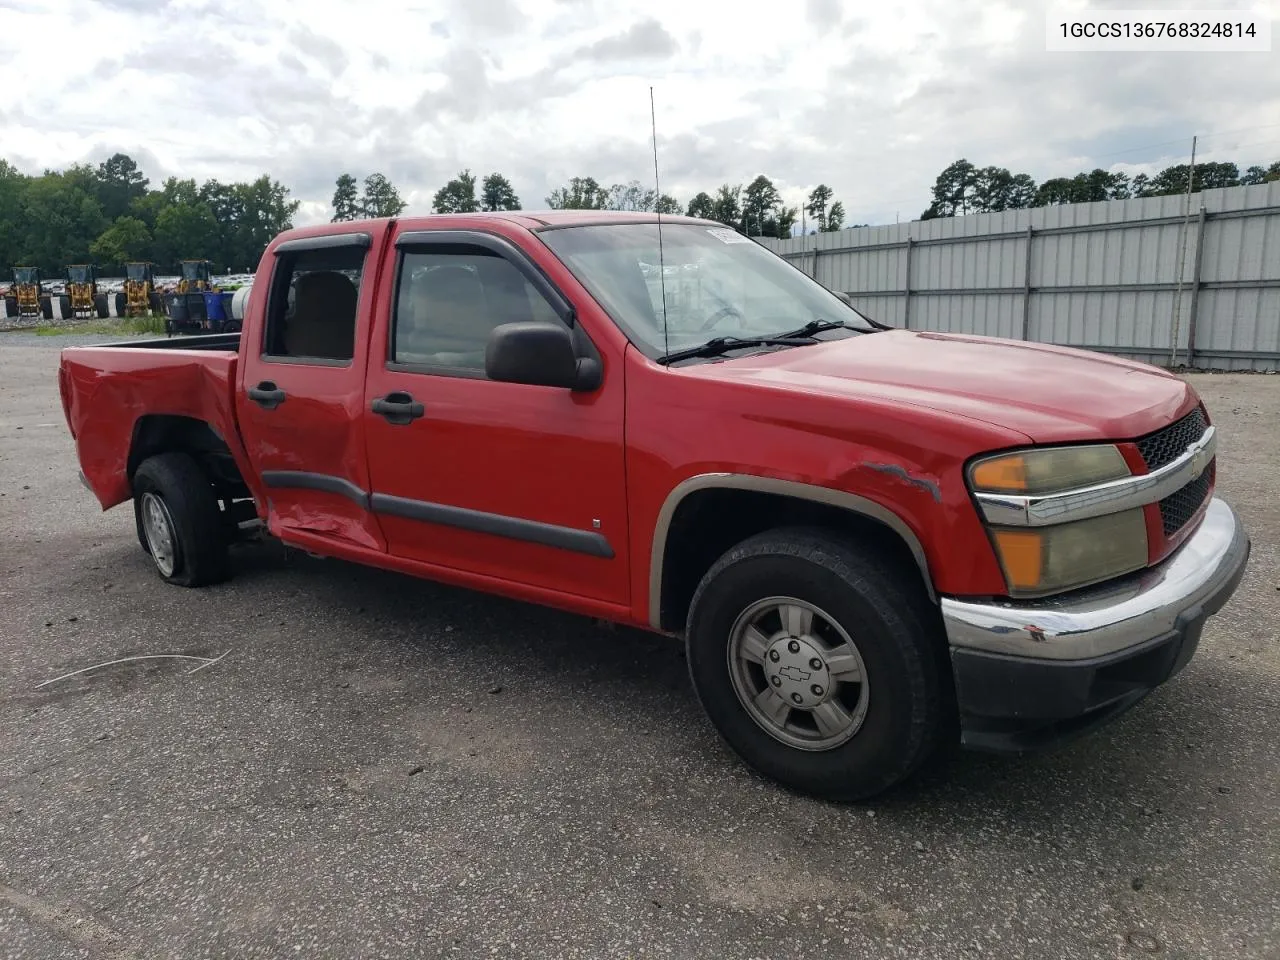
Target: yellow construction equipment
82 288
28 290
195 277
139 289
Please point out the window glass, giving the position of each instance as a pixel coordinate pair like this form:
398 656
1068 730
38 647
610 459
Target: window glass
717 283
451 299
312 312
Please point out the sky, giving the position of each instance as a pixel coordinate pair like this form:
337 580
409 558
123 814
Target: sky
871 98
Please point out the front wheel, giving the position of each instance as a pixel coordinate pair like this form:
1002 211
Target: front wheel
820 663
180 524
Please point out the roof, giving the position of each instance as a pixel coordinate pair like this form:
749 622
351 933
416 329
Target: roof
532 220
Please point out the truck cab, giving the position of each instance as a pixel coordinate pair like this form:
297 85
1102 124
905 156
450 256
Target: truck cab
871 541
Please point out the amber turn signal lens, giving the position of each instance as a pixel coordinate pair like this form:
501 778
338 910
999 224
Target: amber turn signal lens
1002 475
1023 554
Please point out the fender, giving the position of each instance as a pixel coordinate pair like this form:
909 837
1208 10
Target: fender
790 488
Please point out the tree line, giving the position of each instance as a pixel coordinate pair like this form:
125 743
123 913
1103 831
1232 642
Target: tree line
964 188
110 215
756 209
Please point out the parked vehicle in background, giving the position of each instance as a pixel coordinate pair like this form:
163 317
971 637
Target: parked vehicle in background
82 290
27 291
872 541
140 293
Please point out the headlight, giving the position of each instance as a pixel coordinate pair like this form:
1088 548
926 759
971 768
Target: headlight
1051 470
1044 560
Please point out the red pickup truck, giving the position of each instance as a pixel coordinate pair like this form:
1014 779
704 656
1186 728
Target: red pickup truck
872 541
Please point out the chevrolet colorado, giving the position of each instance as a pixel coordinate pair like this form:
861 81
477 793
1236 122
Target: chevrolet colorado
872 541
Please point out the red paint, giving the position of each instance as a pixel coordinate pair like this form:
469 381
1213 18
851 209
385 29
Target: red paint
849 415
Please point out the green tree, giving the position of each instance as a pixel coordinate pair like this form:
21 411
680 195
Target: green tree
346 199
13 185
819 199
727 206
630 196
581 193
995 189
457 196
184 231
835 217
784 219
120 183
702 206
58 220
759 208
952 191
668 204
1208 176
180 191
381 199
264 211
498 194
126 240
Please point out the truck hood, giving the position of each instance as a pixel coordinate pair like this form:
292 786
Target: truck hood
1049 393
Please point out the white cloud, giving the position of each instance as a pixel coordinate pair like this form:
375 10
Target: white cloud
873 99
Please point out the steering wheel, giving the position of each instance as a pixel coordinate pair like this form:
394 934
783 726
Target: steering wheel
719 315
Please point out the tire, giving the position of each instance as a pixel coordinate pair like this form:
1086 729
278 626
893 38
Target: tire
173 496
898 713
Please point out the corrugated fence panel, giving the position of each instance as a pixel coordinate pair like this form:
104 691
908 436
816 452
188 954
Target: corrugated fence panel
1103 275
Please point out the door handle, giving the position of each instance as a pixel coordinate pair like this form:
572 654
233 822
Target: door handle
267 395
398 408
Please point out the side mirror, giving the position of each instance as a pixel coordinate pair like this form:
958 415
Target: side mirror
540 354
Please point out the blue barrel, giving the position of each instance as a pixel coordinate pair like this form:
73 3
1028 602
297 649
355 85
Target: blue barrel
213 307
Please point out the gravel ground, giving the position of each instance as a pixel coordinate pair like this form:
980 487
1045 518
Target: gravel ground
382 767
27 338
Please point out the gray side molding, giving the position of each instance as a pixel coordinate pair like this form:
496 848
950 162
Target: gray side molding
787 488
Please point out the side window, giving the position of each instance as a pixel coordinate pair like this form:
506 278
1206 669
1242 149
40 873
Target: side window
451 299
312 311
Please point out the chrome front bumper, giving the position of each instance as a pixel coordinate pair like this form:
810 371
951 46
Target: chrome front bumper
1196 581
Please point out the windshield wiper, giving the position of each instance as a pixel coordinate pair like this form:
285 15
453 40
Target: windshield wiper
821 326
717 346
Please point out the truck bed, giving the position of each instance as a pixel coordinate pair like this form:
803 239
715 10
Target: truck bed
113 393
208 341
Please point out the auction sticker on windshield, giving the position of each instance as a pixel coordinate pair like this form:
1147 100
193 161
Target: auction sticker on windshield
726 235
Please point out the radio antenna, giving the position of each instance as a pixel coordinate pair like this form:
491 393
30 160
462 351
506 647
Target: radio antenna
657 205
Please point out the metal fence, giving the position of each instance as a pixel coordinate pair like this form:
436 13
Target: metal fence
1155 279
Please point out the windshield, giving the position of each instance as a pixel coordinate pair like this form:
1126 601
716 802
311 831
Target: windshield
25 274
136 271
78 274
718 284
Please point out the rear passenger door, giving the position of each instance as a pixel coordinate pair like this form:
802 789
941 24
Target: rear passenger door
301 388
519 482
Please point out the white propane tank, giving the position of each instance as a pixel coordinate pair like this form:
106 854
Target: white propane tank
239 301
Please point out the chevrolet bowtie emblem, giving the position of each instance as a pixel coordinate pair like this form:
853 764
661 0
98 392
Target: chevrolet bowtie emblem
792 672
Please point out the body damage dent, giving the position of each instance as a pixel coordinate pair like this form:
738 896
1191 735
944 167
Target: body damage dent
895 470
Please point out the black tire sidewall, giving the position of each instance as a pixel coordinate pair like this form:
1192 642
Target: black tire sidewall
198 525
887 745
144 484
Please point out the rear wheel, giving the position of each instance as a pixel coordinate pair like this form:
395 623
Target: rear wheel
820 663
179 522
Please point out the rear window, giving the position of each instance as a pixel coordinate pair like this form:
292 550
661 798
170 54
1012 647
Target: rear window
311 315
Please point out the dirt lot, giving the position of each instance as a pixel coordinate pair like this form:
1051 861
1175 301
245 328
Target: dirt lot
381 767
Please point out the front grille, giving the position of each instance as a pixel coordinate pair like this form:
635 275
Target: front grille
1167 444
1177 508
